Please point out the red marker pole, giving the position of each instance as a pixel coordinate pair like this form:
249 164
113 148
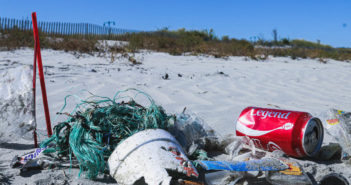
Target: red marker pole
41 73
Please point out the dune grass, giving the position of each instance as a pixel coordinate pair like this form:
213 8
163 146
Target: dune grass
177 42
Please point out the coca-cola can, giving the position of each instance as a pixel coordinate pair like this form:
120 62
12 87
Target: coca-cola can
297 134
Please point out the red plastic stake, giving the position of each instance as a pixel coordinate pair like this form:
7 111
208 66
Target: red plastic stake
41 73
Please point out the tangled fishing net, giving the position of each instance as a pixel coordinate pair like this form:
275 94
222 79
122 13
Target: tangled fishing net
97 125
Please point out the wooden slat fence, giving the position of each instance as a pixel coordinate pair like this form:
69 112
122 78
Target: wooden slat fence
63 28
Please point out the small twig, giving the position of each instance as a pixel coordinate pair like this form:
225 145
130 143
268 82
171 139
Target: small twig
184 110
65 113
64 173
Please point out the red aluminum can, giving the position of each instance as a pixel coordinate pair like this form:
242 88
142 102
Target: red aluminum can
295 133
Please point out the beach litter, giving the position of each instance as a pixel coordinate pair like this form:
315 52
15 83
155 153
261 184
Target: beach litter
337 124
264 164
91 134
296 133
16 103
335 179
152 154
23 160
141 144
97 129
293 175
223 177
193 134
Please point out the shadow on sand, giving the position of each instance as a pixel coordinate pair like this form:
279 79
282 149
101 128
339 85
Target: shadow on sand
3 178
16 146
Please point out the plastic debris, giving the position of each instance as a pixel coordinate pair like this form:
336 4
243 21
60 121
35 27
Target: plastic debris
265 164
153 154
243 157
337 126
143 144
233 145
187 182
223 177
16 103
330 151
21 161
334 179
90 135
294 175
37 160
192 133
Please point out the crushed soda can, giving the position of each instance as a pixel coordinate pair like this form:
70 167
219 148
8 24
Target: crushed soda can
297 134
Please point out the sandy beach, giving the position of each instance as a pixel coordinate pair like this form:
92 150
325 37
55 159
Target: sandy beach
216 89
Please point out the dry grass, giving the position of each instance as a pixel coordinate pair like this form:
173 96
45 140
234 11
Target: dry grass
176 43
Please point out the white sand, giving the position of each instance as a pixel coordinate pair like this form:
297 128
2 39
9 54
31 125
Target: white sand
215 89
